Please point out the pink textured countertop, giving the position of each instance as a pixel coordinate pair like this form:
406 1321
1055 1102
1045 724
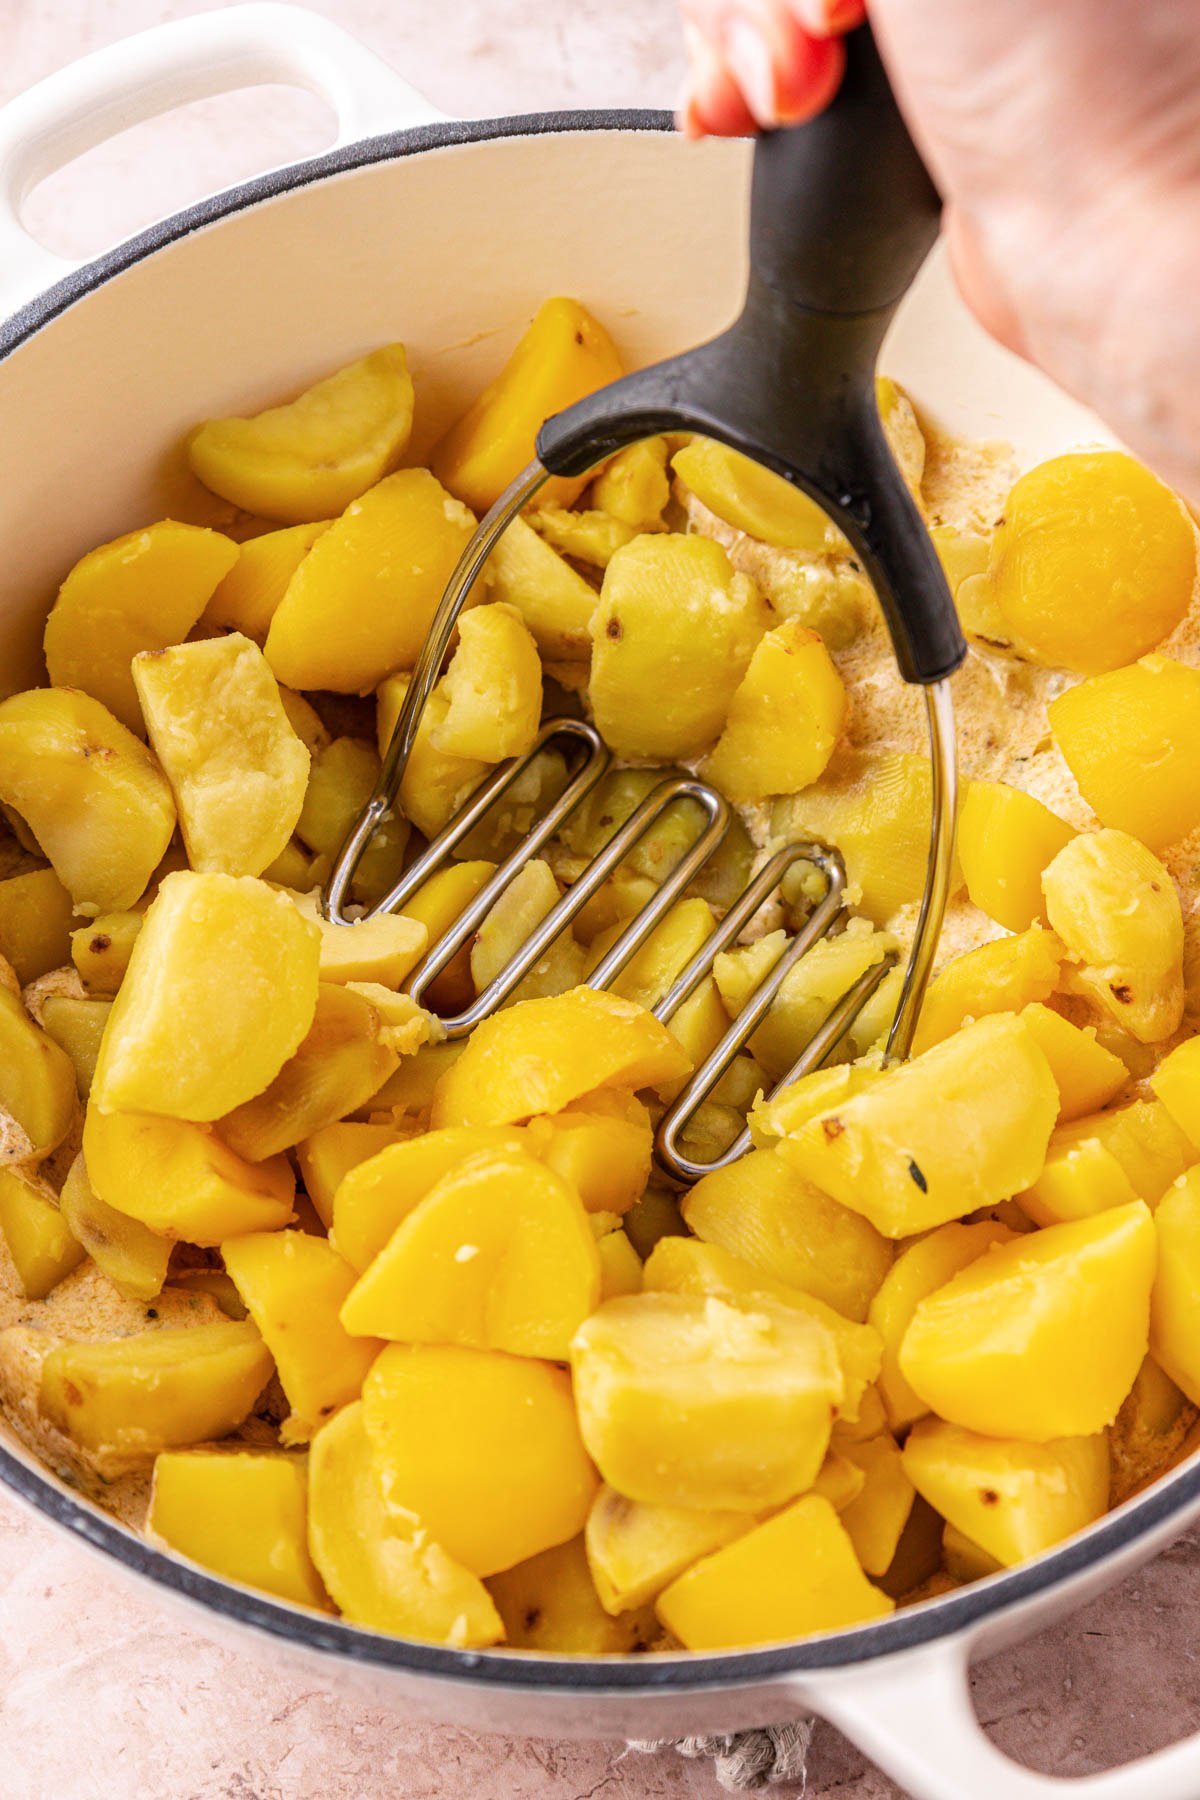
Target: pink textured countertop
103 1694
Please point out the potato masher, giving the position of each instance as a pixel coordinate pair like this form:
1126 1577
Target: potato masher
843 213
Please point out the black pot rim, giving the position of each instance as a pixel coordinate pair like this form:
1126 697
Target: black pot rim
1174 1496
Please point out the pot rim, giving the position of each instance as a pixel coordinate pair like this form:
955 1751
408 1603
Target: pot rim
680 1673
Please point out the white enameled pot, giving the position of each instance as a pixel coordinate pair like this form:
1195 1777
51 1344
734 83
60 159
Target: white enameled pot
447 235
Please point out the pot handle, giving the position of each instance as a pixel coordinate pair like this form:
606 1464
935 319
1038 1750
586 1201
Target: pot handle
140 77
913 1716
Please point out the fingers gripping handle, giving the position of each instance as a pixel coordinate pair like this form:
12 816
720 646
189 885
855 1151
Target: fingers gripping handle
188 59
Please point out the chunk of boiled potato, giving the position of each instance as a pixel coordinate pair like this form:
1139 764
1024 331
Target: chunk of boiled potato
221 988
620 1264
590 536
962 1126
435 784
550 1603
179 1179
554 600
672 635
1131 739
101 949
1116 909
383 949
524 903
37 1080
1107 1159
794 1575
875 1517
920 1270
379 1564
1005 840
376 1195
341 782
77 1027
1093 562
753 499
1002 976
1012 1499
241 1513
40 1241
633 486
449 1424
1086 1074
310 458
606 1160
36 917
564 354
246 598
1041 1338
659 849
690 1400
1175 1303
143 591
493 687
361 602
339 1064
294 1285
635 1549
784 720
132 1256
540 1055
328 1155
91 793
236 768
498 1255
759 1208
125 1399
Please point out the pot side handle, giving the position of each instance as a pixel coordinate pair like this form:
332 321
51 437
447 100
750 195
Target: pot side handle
170 65
912 1715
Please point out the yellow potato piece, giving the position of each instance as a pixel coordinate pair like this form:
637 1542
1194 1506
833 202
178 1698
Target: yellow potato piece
672 637
564 354
1086 1074
498 1255
493 687
810 990
634 486
141 592
1012 1500
90 792
221 988
549 1603
40 1241
376 1195
759 1208
36 916
329 1154
1116 909
77 1027
341 781
1002 976
590 537
688 1400
962 1557
435 784
540 1055
237 769
128 1398
554 600
132 1256
794 1575
1005 840
448 1424
634 1549
340 1063
784 719
311 458
179 1179
101 949
1175 1303
1040 1338
875 1517
37 1079
962 1126
362 600
680 1265
620 1265
294 1286
753 499
605 1160
1131 740
377 1561
524 903
380 950
920 1270
1093 562
245 600
241 1513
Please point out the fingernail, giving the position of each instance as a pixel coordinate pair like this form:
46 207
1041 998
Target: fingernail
749 57
822 18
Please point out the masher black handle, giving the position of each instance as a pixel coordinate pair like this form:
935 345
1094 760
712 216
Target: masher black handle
843 213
